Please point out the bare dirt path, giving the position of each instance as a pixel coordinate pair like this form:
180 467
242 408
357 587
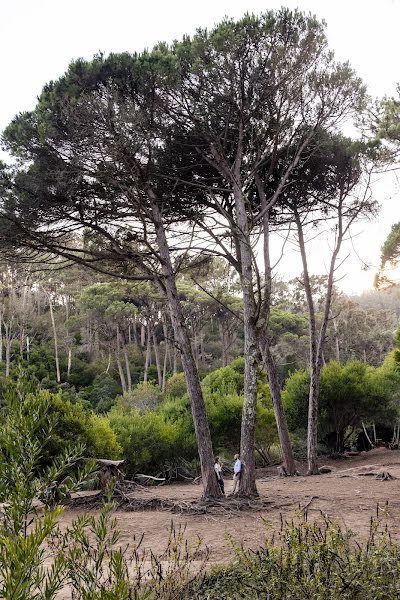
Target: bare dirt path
342 494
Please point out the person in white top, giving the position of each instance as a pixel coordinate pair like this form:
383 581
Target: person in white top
237 472
218 472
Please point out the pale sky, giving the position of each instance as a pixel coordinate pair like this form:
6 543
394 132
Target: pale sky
38 39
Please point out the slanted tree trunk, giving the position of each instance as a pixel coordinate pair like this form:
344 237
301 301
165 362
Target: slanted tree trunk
269 363
53 325
206 455
119 365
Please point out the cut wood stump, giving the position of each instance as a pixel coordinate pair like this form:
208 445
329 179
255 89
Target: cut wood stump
109 469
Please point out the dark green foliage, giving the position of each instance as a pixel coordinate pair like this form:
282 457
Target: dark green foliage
349 394
102 393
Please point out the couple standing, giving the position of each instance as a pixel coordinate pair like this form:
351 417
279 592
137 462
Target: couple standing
237 471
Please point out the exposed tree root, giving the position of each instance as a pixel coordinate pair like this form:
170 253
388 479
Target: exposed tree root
232 505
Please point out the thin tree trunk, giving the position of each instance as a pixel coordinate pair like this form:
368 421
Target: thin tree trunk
157 357
128 369
148 354
206 455
316 340
280 417
53 324
109 363
224 353
270 366
336 336
27 348
69 361
120 369
166 354
8 347
1 337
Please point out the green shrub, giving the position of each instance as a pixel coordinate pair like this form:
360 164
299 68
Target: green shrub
149 442
146 396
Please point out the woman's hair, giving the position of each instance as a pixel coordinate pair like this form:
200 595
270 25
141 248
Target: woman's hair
217 459
236 456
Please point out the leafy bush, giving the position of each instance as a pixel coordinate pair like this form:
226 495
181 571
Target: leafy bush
149 442
176 386
349 394
144 397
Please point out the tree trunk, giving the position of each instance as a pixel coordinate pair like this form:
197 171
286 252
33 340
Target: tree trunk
120 369
336 336
1 337
128 369
222 335
53 324
69 362
247 485
8 348
157 357
27 348
316 340
206 455
166 354
269 363
281 423
148 354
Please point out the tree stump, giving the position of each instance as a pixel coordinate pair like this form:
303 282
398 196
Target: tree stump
109 469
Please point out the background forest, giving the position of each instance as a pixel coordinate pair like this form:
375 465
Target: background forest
106 351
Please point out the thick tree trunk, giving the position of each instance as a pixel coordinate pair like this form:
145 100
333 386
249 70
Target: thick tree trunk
251 349
53 324
206 455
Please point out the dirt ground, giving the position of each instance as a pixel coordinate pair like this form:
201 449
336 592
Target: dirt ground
343 494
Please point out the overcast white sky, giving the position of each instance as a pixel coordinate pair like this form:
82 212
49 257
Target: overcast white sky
38 39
